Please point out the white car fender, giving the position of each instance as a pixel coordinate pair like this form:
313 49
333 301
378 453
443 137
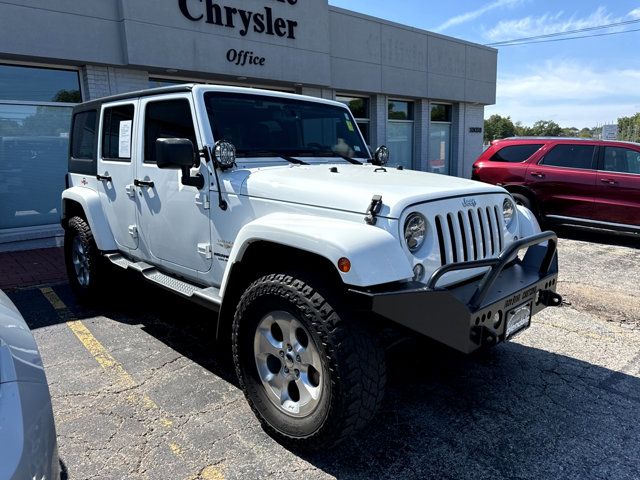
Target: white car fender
376 255
528 223
89 200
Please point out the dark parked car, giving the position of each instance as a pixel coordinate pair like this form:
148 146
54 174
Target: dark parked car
568 180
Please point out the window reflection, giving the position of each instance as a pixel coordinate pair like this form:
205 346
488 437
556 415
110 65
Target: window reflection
34 144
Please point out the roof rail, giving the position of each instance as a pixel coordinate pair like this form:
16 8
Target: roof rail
533 137
572 139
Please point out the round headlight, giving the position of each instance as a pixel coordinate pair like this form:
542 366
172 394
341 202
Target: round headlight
508 211
381 157
415 231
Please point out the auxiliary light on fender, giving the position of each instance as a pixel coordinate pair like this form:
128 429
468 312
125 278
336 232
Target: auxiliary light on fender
344 265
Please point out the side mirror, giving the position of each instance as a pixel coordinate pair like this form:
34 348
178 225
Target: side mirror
175 153
381 157
179 154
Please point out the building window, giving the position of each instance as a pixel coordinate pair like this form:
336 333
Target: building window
359 107
439 160
35 118
400 132
30 84
441 112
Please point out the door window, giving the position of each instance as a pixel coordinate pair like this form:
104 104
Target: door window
167 119
570 156
117 126
515 153
623 160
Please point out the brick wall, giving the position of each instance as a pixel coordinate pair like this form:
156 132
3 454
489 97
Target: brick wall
422 117
378 124
100 81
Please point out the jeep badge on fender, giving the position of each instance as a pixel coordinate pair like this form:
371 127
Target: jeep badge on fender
269 209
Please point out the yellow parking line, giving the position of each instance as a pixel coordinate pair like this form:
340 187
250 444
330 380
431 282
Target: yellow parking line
175 449
109 363
208 473
99 353
54 300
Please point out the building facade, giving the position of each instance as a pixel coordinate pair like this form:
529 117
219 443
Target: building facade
420 93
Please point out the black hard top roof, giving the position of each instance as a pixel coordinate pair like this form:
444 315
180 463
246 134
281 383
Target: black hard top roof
91 104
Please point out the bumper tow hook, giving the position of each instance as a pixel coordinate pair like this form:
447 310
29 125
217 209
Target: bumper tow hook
550 298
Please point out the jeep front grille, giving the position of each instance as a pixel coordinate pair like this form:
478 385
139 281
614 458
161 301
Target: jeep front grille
471 234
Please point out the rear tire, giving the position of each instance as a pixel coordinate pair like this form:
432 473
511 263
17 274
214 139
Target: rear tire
84 264
279 316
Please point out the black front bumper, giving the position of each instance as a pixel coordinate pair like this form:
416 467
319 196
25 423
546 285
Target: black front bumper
463 316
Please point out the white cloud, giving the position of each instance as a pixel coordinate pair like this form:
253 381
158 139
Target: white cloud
552 23
570 93
472 15
634 14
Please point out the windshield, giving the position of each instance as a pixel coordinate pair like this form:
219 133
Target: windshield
263 126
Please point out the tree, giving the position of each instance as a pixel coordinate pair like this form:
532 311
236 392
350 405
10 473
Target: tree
570 132
497 127
68 96
546 128
629 128
585 133
523 130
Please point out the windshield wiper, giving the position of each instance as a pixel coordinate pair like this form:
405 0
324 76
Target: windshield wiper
266 154
353 161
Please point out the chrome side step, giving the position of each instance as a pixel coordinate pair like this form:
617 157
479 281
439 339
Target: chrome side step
586 222
207 296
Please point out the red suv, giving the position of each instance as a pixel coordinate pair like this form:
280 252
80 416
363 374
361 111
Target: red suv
568 180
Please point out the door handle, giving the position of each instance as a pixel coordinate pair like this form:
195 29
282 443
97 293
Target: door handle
608 181
143 183
103 178
537 174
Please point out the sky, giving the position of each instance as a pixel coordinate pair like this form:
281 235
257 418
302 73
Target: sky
576 83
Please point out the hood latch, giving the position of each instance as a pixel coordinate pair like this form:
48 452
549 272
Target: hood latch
374 210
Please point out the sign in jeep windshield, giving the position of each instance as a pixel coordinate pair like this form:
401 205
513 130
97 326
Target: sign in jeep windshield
261 126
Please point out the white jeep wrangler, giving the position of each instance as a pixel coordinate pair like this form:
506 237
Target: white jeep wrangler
268 208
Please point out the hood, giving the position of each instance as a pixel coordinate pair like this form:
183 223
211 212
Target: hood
352 187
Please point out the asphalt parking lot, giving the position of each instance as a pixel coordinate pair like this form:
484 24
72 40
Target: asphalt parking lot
139 390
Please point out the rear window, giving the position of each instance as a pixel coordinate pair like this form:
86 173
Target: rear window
570 156
83 136
515 153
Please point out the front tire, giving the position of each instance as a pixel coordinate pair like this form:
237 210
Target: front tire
311 375
82 259
528 202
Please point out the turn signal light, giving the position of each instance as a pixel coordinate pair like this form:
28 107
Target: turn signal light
344 265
